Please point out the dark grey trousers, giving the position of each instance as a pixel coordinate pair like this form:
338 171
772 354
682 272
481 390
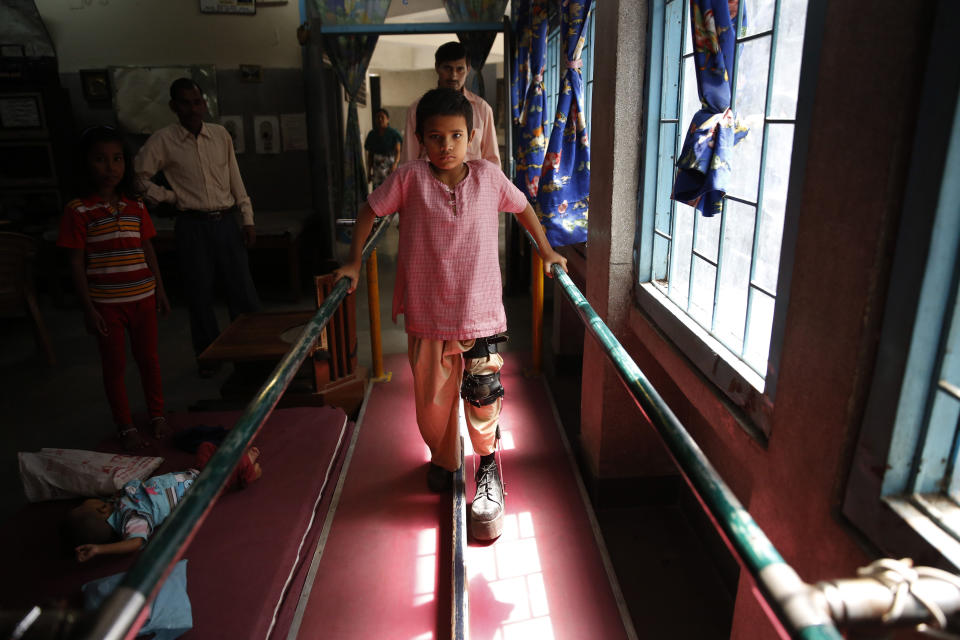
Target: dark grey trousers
211 249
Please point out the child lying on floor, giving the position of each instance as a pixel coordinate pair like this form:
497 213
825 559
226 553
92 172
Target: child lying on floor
141 506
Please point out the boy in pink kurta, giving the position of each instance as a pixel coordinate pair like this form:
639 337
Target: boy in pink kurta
448 289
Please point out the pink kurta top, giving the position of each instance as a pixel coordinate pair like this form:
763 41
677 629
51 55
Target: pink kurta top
448 269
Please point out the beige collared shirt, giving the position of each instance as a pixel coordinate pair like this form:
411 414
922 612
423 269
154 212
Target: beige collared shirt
484 143
202 170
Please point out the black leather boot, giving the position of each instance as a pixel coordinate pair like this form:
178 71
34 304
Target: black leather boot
486 512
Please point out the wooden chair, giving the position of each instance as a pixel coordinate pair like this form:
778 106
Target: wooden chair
18 253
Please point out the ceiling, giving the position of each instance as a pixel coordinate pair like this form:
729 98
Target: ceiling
413 52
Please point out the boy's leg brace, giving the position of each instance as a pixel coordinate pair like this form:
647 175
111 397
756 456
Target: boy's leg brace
482 392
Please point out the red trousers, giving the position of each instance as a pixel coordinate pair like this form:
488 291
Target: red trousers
139 319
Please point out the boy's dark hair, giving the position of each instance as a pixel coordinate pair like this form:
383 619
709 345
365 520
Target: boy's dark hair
96 135
450 51
87 527
443 102
383 111
183 84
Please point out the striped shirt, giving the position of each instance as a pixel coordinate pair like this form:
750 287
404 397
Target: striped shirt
448 270
113 240
143 505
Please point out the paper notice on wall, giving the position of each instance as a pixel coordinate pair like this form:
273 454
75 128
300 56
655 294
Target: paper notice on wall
294 126
267 132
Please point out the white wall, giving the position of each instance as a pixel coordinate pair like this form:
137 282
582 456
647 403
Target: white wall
90 34
403 87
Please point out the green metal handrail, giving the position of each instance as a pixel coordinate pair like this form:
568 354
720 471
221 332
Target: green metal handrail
125 608
788 596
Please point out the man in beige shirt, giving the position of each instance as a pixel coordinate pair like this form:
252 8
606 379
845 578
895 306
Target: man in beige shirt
452 69
198 162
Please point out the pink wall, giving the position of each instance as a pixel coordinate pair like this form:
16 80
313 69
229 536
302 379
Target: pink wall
864 113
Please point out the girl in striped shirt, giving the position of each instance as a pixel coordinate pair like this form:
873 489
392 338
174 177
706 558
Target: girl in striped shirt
116 276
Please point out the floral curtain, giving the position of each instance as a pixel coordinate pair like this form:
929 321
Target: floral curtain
350 57
564 194
531 143
520 73
478 43
704 162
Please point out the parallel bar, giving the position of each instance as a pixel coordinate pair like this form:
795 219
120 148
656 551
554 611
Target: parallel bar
373 300
537 330
781 587
393 28
460 610
152 566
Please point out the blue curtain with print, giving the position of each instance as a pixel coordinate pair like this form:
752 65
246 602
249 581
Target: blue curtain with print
350 57
520 73
478 43
704 165
564 196
531 142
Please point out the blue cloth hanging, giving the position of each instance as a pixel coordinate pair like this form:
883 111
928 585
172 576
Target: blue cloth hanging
532 143
563 200
704 164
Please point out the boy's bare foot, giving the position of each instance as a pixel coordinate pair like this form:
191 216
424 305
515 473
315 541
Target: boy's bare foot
130 438
160 427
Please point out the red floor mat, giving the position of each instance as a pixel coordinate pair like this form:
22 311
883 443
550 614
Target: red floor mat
243 554
378 576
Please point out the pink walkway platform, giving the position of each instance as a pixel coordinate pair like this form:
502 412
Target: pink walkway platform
383 571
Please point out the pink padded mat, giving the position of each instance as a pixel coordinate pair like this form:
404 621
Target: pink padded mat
245 553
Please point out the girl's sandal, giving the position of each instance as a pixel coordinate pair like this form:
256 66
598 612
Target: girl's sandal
130 438
160 427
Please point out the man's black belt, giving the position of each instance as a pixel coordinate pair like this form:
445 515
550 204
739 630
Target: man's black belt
214 215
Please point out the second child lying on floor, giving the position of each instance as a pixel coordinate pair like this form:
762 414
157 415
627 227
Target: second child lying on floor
141 506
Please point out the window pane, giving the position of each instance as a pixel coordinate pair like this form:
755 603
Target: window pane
691 99
734 275
750 105
759 15
687 41
776 172
759 325
670 83
786 75
707 241
661 254
668 138
701 293
680 257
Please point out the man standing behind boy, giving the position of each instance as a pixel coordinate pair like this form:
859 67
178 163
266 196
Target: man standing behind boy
452 70
198 161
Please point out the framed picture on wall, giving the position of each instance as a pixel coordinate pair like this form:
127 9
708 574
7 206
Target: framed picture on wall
96 85
21 112
247 7
234 126
266 129
251 73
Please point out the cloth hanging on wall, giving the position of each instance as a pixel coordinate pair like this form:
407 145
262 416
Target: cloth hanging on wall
563 198
478 43
350 57
531 141
704 164
520 70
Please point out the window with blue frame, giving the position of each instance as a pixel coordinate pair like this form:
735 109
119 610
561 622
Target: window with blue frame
711 282
904 485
